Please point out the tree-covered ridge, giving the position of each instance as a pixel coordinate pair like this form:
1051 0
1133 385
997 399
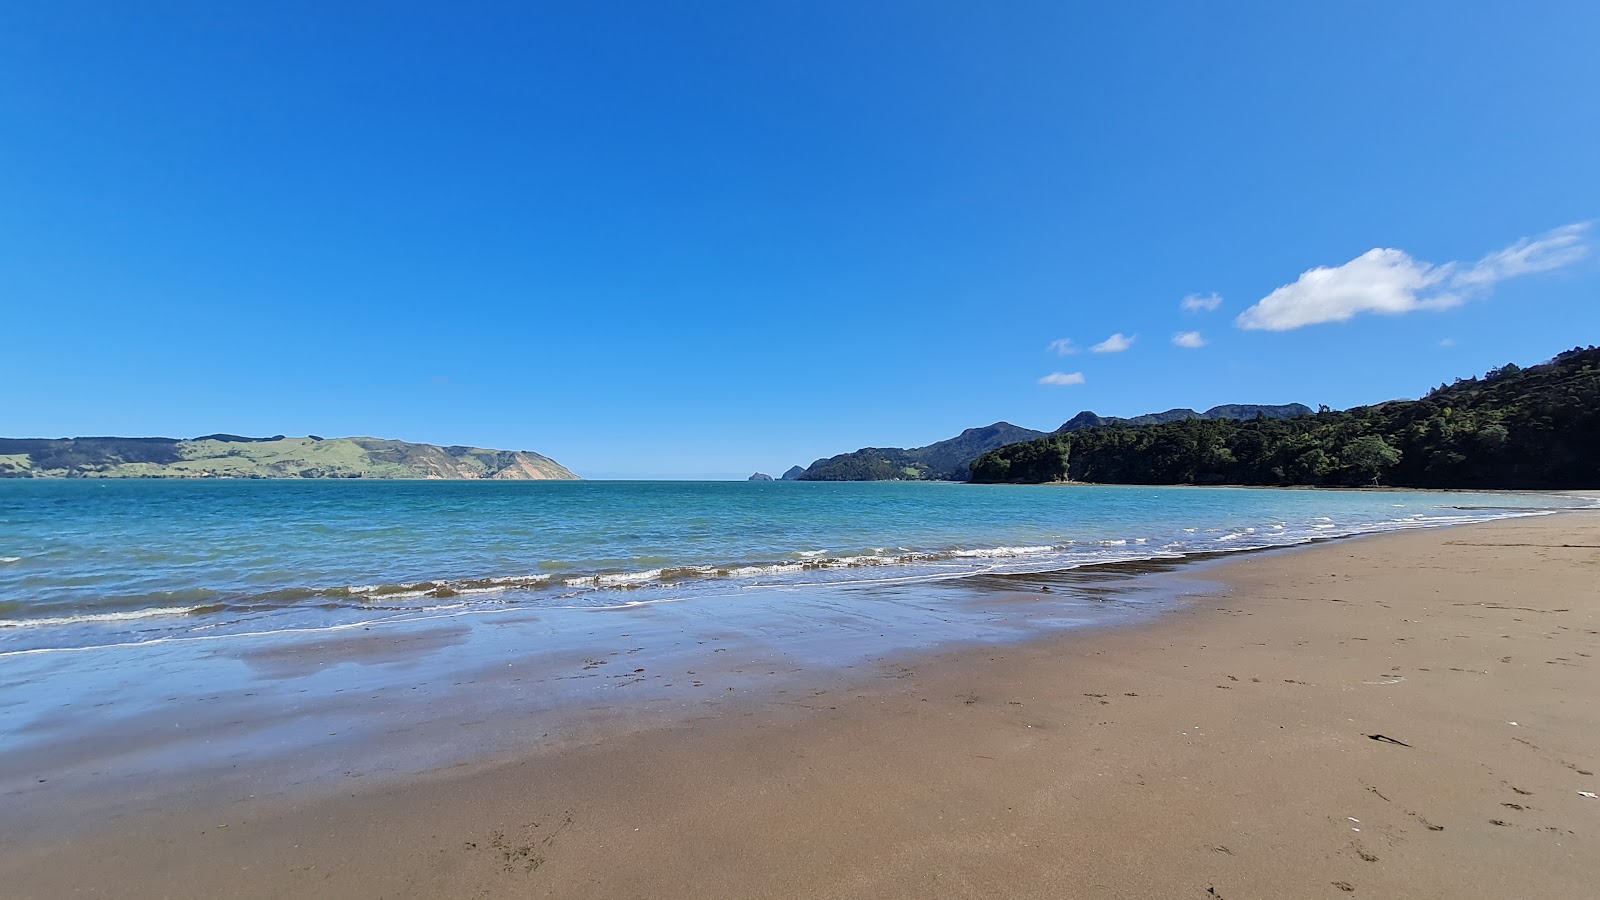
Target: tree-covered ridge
948 460
1514 428
1087 419
951 460
232 456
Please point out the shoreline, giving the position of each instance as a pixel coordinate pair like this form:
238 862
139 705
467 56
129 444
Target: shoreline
909 749
369 600
1582 492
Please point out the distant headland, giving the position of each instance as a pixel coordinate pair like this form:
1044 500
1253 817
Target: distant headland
234 456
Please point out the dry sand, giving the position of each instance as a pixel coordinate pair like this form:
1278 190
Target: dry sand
1223 750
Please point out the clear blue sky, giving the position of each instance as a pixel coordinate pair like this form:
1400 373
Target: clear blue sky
676 239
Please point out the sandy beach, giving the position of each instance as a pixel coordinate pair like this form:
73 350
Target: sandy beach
1406 715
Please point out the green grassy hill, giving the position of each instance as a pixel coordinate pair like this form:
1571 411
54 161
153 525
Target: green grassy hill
231 456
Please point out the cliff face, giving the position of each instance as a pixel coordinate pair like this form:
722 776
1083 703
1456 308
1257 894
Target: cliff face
231 456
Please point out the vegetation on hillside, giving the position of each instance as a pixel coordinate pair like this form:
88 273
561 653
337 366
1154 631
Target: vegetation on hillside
948 460
1514 428
951 460
232 456
1087 419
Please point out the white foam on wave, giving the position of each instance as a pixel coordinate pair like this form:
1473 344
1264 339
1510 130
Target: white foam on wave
1000 552
485 589
848 562
92 618
403 594
618 578
774 569
514 580
813 554
10 559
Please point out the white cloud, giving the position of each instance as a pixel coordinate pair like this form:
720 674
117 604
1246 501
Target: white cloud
1190 339
1062 378
1447 342
1390 282
1201 302
1380 281
1555 248
1114 344
1063 347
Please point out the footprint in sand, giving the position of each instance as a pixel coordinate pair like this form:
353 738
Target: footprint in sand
1419 818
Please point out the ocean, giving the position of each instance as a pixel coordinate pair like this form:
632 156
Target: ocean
166 639
89 564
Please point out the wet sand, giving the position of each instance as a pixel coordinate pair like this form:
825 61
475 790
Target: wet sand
1408 715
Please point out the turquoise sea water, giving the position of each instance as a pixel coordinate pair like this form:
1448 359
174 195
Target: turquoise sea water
100 563
170 640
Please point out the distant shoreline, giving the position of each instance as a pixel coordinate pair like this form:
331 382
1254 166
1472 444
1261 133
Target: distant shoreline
278 457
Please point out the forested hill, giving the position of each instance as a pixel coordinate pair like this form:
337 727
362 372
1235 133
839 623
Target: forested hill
949 460
1088 419
1537 427
232 456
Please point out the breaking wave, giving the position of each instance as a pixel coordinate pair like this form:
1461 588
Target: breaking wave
597 589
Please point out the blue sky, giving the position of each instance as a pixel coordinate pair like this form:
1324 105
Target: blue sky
709 238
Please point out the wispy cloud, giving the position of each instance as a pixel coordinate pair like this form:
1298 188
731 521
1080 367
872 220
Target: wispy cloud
1389 282
1201 302
1063 347
1555 248
1114 344
1190 339
1447 342
1062 379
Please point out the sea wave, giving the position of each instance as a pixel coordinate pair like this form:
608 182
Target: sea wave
600 589
1000 552
157 612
